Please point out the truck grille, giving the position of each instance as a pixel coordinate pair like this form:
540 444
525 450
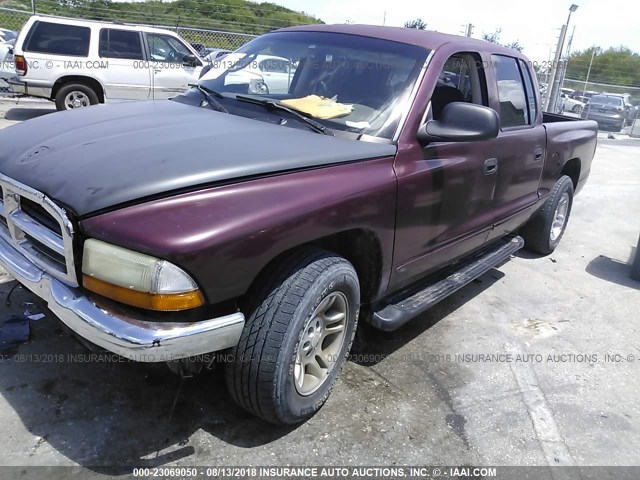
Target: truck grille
38 228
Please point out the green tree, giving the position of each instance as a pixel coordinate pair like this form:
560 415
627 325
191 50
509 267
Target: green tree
616 66
417 23
231 15
494 37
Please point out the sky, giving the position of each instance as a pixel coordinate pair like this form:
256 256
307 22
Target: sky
535 24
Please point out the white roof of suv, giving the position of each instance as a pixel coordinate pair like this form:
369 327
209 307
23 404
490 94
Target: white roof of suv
94 23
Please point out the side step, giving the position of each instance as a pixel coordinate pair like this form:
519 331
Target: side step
396 314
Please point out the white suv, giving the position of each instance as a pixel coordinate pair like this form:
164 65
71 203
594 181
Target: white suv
78 63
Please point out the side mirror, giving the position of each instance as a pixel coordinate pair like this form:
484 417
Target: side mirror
461 122
190 60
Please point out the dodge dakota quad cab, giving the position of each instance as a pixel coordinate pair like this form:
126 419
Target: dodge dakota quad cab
398 166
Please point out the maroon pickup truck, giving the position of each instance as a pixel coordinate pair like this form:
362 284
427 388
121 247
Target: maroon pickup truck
370 172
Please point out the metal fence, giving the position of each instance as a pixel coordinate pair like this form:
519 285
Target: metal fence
13 19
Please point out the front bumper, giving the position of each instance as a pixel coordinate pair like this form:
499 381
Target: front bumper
134 338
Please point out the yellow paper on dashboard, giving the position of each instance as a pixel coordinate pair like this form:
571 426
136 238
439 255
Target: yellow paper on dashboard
318 107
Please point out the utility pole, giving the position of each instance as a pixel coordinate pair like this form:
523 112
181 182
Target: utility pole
552 89
565 63
469 30
586 81
33 6
384 18
552 98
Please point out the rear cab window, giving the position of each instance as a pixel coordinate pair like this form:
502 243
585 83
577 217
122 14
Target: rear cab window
58 39
516 94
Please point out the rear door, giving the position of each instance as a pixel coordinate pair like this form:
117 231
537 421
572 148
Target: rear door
127 76
521 144
170 76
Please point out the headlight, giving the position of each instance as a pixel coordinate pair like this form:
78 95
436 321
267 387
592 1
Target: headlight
137 279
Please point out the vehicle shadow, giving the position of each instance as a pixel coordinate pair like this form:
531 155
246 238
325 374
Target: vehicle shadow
615 271
373 345
19 114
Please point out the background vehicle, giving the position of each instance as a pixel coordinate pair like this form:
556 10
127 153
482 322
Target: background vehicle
568 104
79 63
7 67
268 224
266 73
580 95
629 109
215 53
6 35
608 110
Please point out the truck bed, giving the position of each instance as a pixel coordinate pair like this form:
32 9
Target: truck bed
572 140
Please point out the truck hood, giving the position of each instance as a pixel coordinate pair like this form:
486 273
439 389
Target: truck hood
99 157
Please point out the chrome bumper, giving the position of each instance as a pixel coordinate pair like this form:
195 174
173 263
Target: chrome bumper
37 89
130 337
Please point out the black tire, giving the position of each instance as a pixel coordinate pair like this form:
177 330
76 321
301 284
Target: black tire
261 374
65 90
537 232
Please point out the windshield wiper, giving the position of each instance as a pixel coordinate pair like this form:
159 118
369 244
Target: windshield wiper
273 105
207 93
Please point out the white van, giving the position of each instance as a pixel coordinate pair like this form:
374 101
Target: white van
78 63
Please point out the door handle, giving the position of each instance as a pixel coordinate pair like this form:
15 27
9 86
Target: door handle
538 152
490 166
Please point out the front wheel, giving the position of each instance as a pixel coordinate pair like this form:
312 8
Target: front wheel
296 338
545 229
577 109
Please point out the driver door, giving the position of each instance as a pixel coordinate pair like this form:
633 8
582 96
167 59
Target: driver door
445 189
170 76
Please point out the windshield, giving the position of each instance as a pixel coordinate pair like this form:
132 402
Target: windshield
346 82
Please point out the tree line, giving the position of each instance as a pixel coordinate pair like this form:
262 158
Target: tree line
232 15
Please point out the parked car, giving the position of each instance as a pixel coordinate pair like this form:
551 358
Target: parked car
7 67
579 94
77 63
568 104
265 73
6 35
267 225
608 110
216 53
629 109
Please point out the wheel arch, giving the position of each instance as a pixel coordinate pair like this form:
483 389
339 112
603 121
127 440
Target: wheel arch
572 170
361 247
89 81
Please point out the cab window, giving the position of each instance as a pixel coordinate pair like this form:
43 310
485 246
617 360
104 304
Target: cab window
511 93
165 48
461 79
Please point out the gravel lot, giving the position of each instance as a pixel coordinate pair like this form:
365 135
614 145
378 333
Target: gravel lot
420 395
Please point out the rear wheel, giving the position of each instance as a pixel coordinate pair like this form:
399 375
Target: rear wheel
296 338
75 95
545 229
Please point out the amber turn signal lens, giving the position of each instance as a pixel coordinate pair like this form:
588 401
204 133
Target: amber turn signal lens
163 302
